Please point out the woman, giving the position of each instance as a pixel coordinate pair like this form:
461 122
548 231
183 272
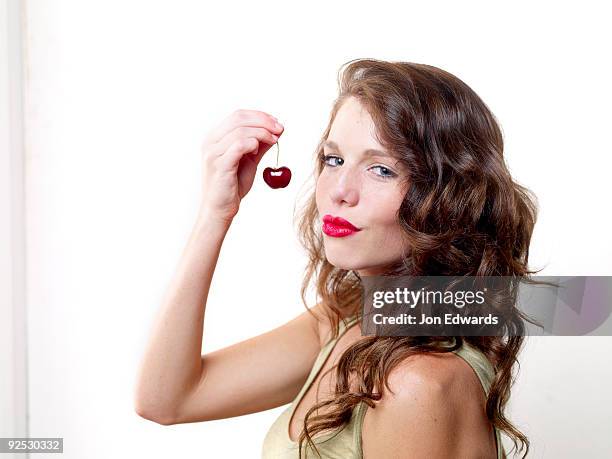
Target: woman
412 159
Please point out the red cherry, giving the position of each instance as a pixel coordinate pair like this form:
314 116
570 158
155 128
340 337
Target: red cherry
277 178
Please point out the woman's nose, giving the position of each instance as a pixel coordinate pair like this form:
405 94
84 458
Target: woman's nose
345 188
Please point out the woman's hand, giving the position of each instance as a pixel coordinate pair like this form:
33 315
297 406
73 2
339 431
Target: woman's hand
230 155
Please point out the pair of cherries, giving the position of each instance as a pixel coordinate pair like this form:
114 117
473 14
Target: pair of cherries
277 177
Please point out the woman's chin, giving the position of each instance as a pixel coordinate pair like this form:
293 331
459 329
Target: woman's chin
341 262
351 264
345 260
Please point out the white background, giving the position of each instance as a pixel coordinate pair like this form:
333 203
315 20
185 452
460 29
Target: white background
118 97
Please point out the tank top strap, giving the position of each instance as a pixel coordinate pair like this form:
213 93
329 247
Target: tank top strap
479 363
343 326
347 323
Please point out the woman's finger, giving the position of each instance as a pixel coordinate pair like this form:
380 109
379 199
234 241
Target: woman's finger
243 118
261 134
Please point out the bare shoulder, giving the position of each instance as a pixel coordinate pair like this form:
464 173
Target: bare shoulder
433 397
442 371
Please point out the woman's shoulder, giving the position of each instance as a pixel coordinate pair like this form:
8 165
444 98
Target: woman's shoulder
432 395
440 370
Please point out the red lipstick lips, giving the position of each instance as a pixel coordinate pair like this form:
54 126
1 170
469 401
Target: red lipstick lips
338 227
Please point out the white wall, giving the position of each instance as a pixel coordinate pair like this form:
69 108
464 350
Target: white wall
13 352
119 96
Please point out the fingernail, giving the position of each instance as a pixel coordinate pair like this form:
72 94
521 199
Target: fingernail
278 126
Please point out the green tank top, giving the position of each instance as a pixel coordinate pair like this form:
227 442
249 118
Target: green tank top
346 442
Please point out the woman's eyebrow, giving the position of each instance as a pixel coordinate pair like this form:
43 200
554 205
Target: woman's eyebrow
368 152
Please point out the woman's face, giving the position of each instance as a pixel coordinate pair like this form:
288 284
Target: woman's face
363 188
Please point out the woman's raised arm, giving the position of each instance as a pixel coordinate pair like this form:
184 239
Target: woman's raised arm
176 383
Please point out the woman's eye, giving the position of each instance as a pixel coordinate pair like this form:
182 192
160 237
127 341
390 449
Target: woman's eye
386 173
325 158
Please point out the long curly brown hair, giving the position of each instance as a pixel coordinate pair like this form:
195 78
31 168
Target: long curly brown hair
462 214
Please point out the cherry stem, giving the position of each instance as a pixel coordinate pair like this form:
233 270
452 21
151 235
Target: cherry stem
277 152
